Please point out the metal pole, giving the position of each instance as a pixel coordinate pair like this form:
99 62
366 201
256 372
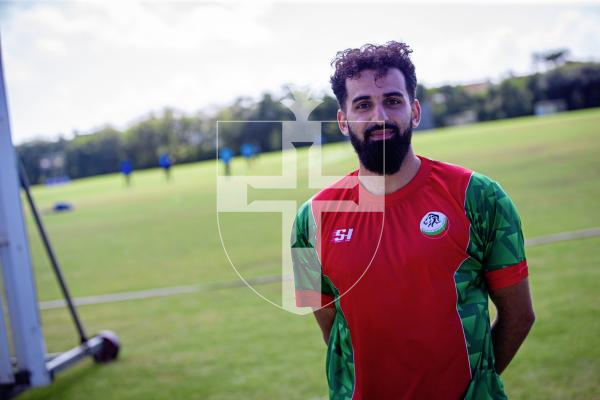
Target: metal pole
51 255
18 276
6 368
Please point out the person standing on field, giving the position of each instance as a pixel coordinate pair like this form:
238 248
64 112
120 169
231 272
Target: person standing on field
415 323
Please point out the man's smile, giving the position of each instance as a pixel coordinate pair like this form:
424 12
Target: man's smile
382 134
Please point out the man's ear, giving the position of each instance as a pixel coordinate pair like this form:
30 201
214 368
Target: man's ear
342 122
416 113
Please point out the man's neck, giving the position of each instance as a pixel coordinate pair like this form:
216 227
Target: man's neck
380 185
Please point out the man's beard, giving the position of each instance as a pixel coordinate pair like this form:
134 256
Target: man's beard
371 152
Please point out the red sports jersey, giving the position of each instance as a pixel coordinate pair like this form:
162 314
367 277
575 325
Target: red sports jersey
410 284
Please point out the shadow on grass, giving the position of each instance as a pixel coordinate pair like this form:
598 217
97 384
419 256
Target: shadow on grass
66 381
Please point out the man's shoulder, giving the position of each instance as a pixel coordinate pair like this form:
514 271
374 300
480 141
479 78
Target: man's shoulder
340 189
448 178
448 170
474 185
337 190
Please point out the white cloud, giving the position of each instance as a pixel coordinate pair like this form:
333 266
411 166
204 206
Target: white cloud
88 63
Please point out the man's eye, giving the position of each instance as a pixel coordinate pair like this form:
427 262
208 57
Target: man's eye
362 106
394 101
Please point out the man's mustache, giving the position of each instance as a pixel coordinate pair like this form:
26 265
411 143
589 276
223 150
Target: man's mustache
388 125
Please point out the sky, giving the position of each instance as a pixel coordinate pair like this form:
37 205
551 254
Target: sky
77 66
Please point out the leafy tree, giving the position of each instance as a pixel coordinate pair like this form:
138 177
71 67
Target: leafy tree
94 154
188 138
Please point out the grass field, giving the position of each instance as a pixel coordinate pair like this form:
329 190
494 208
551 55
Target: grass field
231 344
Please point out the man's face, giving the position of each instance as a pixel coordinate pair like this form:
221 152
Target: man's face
379 118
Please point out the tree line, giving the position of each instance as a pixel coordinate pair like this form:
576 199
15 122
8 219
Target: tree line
573 85
189 138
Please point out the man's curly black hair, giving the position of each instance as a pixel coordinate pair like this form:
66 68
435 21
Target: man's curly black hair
350 62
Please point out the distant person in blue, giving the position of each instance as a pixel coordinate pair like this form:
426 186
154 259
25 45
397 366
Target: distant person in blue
248 151
127 169
226 154
165 163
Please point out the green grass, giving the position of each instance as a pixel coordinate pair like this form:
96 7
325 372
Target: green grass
231 344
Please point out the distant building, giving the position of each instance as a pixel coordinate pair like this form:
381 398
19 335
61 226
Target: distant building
477 88
462 118
547 107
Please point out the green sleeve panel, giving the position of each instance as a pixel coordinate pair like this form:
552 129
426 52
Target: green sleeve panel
340 355
495 244
309 279
496 236
308 273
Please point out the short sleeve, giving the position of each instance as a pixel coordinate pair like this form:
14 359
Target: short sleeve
312 289
496 232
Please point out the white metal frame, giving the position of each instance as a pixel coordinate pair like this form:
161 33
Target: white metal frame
6 371
30 367
19 284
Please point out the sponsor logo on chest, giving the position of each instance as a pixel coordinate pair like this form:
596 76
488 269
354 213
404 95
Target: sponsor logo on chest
341 235
434 224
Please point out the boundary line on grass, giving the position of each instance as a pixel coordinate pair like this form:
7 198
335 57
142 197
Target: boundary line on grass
263 280
560 237
159 292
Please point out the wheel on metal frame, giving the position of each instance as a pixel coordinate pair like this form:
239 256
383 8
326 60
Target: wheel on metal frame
110 347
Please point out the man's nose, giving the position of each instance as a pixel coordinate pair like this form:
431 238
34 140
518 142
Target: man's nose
380 114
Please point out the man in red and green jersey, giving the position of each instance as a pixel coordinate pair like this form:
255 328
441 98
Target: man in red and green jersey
399 257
